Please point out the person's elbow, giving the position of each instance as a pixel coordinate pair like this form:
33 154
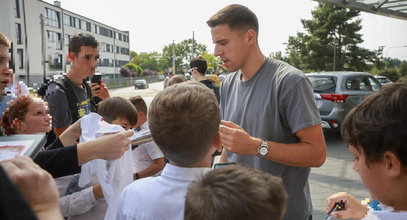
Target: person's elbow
319 155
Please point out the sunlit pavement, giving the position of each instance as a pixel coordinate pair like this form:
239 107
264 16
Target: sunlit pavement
335 175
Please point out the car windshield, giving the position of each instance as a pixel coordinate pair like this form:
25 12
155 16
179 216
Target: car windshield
322 84
140 81
383 80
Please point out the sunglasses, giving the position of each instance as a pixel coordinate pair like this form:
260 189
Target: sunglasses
190 70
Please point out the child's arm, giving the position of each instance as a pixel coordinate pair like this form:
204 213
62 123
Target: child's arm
353 208
80 202
70 135
155 167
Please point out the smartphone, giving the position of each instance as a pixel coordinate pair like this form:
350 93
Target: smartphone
220 165
96 78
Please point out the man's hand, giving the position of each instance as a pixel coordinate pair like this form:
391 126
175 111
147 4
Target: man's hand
100 91
237 140
36 185
353 208
107 147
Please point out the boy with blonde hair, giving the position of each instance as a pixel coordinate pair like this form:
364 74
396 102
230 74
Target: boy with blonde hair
184 122
236 192
376 131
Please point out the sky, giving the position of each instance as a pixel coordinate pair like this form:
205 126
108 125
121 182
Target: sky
156 23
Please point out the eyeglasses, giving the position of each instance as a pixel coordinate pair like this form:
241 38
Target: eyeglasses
190 70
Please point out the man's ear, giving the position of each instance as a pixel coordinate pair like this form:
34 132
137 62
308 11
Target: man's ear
217 142
251 37
70 56
392 163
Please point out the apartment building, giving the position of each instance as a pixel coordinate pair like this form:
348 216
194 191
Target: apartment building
40 33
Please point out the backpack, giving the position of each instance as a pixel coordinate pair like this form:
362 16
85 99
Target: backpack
50 87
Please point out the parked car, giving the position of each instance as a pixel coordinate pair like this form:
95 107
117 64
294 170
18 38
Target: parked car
383 80
336 93
141 84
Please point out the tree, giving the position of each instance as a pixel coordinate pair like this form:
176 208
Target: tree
125 71
331 42
391 73
150 61
213 61
403 68
183 53
135 69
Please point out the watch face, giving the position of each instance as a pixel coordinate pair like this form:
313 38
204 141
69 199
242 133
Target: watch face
263 150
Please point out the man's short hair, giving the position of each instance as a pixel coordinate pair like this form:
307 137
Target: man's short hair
200 64
79 40
184 121
178 78
118 107
4 40
379 124
236 192
237 17
139 103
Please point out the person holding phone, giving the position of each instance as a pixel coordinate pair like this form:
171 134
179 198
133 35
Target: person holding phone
77 98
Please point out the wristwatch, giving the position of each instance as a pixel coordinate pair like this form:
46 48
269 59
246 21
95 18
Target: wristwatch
263 149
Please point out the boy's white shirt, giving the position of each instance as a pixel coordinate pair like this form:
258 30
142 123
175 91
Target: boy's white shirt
387 213
145 153
112 175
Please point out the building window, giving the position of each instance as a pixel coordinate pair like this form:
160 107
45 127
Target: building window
55 61
67 20
20 55
124 51
117 49
77 23
52 18
16 8
18 33
54 40
85 25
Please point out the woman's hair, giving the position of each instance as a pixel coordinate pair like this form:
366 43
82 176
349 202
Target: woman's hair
17 109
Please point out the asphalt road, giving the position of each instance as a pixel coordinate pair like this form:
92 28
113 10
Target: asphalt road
335 175
147 94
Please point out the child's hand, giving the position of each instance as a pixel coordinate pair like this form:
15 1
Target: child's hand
353 208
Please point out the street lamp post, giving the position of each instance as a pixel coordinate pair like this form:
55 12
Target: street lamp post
173 57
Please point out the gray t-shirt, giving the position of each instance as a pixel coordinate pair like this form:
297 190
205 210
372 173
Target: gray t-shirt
59 108
272 105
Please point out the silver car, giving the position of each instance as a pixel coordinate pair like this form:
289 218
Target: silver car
383 80
141 84
336 93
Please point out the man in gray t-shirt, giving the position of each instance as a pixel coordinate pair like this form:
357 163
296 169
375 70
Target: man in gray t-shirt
270 120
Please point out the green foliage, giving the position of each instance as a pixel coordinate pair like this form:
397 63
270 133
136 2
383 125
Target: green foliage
135 69
391 73
332 30
403 79
403 68
183 53
212 60
150 61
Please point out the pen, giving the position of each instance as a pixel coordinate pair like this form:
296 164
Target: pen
338 206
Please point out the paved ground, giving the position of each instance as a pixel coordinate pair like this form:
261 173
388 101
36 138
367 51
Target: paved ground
336 175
